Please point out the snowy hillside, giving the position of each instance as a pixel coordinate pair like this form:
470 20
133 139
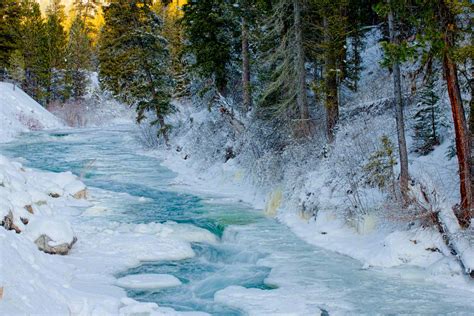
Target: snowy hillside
20 113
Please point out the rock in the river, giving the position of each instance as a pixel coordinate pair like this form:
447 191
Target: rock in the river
46 244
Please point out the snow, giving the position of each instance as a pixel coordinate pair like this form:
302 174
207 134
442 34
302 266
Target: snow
148 281
97 108
20 113
82 282
261 302
60 231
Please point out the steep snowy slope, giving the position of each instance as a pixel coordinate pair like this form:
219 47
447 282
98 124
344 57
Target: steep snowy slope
20 113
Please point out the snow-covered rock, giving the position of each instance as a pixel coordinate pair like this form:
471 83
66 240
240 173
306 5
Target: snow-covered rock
51 235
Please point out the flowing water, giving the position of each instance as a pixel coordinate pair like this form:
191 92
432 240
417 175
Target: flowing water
254 251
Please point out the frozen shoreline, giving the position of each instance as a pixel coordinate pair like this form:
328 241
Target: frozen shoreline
380 249
81 282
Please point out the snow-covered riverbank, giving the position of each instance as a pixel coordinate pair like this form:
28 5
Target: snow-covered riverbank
35 203
421 250
323 193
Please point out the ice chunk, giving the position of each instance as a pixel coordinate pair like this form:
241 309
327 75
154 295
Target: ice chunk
148 281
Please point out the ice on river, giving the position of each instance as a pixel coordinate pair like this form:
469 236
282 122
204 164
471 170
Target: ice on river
148 281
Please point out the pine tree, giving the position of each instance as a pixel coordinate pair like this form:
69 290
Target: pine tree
56 45
35 51
396 52
248 13
171 14
134 60
78 60
285 93
211 33
331 19
86 10
16 68
10 17
440 33
426 119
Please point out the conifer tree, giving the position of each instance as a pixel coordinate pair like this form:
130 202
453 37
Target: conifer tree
285 94
10 17
440 32
211 33
248 13
330 18
134 60
171 14
35 50
426 119
78 60
396 51
16 68
56 45
86 10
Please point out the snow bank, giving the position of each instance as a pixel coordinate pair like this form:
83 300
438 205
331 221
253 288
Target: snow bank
97 108
20 113
42 210
26 194
148 281
60 231
44 204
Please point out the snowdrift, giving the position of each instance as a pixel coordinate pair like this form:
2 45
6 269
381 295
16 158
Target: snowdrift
20 113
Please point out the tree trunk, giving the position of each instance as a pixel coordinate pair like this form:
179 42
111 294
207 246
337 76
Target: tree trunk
331 87
402 145
163 128
247 97
304 127
460 126
471 139
462 140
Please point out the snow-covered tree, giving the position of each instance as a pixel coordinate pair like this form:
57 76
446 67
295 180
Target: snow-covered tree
56 44
16 68
285 94
78 59
426 119
134 60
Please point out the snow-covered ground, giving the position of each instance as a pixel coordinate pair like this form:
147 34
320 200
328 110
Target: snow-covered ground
96 108
20 113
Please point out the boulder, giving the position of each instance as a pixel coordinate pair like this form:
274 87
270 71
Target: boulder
81 194
44 244
29 208
8 223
